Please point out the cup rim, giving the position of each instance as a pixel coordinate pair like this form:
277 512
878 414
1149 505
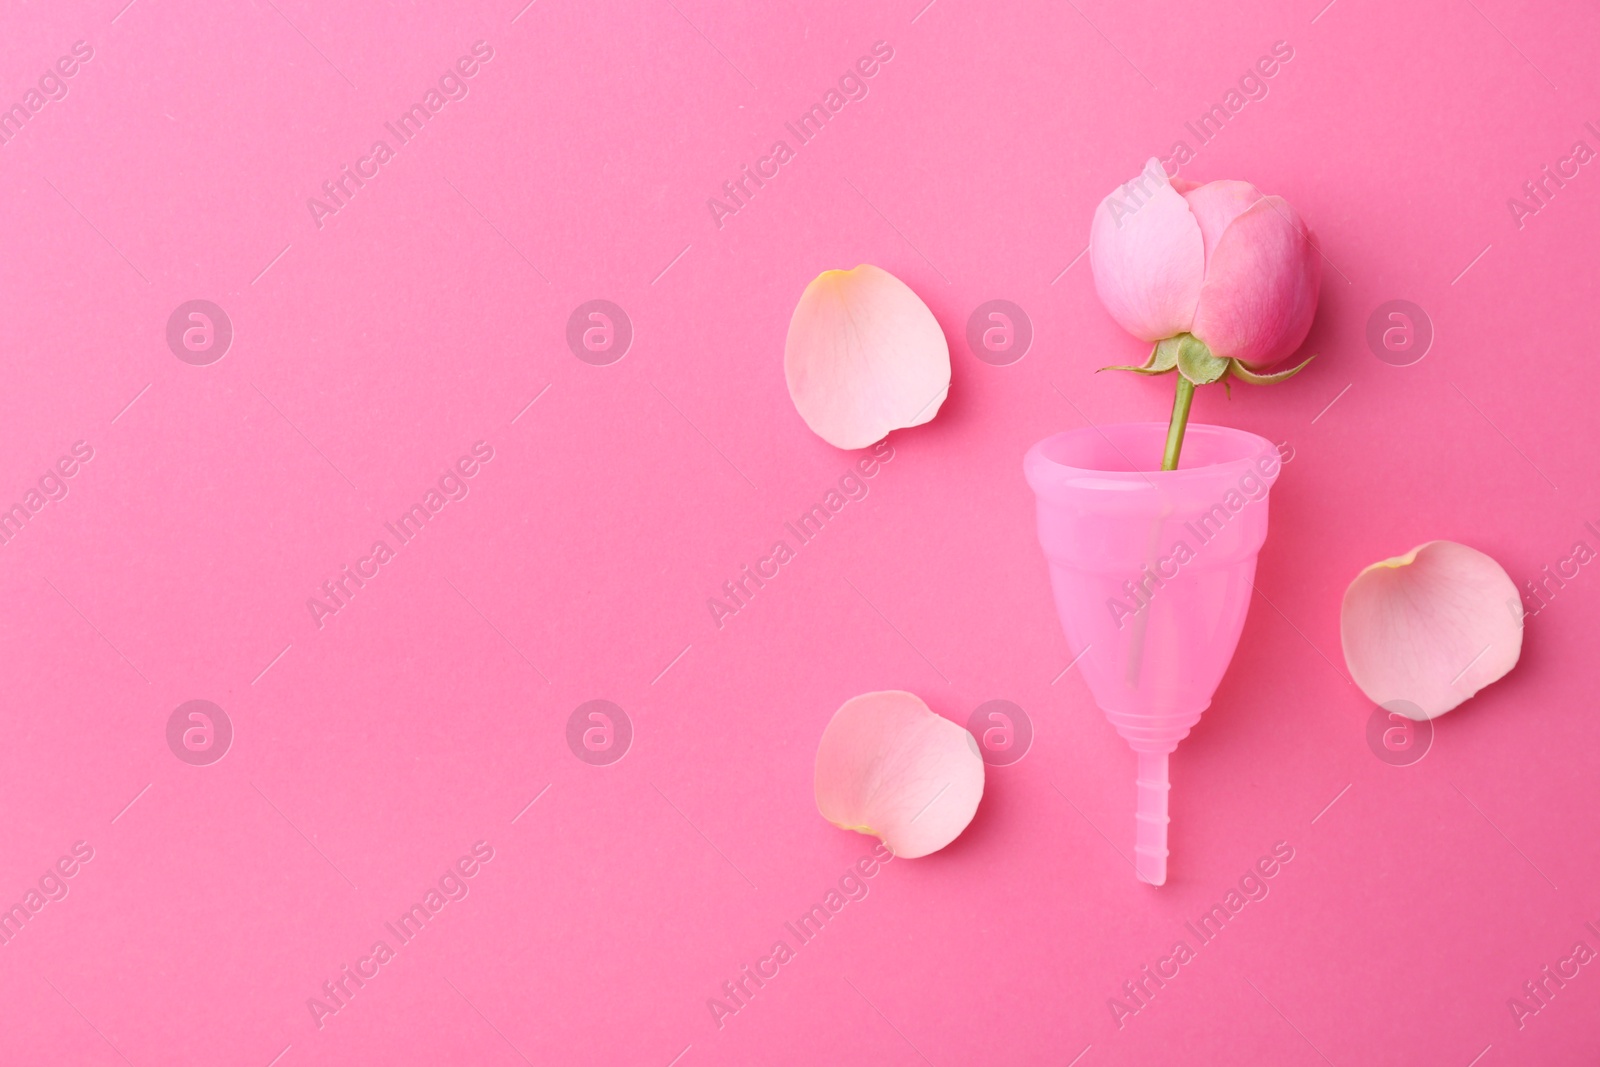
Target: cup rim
1044 472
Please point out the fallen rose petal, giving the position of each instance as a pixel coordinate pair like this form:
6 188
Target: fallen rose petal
864 356
1430 628
888 766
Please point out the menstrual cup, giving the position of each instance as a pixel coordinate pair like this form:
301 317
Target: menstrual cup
1152 572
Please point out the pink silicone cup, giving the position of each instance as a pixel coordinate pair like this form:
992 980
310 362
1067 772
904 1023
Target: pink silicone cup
1111 523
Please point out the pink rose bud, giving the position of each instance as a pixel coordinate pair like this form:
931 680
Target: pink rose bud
1236 269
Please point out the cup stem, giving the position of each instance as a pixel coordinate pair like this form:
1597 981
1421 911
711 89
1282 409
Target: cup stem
1150 839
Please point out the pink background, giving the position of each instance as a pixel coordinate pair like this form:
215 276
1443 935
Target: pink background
368 355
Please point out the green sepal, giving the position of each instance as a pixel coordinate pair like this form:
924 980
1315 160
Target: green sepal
1245 374
1195 361
1163 357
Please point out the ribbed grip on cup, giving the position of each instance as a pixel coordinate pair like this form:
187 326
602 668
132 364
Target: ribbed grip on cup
1150 818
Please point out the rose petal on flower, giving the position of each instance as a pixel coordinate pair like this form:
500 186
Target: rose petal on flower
1261 285
888 766
1148 257
864 356
1431 627
1216 204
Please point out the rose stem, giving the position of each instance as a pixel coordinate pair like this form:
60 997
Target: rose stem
1179 423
